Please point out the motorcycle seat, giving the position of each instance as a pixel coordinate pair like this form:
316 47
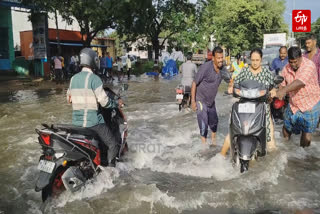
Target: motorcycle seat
76 130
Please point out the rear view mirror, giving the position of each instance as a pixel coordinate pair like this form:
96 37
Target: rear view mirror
278 79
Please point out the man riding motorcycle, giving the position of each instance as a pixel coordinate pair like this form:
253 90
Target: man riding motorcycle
86 93
188 70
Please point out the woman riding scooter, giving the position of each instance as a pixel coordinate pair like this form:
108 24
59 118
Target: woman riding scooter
262 75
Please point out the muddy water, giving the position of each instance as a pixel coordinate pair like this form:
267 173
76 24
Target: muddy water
167 169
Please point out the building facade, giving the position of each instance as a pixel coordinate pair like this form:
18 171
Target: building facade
6 39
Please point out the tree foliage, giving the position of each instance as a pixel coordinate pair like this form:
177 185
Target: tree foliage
118 47
236 24
149 18
195 36
91 15
240 24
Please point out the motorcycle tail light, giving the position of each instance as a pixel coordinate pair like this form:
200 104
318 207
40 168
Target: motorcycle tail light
48 157
46 139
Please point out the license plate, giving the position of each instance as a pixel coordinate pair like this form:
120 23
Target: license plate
46 166
179 96
247 108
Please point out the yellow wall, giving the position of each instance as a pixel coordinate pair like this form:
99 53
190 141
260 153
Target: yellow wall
110 43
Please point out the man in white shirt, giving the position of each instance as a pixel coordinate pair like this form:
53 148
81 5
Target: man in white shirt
128 62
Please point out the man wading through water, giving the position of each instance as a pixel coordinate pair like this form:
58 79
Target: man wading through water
203 93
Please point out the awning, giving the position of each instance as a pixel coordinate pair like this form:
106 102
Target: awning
15 3
77 44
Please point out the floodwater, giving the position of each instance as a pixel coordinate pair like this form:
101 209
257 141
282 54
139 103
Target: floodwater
167 169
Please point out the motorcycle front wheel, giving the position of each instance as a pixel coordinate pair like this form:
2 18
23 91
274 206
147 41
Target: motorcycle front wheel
244 165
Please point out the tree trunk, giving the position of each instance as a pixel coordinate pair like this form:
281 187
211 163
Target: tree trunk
58 32
89 37
87 42
156 48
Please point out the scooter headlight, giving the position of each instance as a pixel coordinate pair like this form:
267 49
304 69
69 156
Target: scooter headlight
252 93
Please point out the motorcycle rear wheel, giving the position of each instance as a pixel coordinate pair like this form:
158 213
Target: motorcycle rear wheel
55 187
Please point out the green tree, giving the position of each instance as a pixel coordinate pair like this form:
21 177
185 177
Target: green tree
195 36
118 47
91 15
240 24
149 18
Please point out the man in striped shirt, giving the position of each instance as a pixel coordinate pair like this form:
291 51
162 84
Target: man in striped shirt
301 83
86 93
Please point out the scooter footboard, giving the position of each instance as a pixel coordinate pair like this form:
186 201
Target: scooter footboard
247 146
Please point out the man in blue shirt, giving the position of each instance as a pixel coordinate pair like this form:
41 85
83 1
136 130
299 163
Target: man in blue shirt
203 93
279 62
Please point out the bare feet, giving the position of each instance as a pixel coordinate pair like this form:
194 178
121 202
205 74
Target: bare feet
286 134
271 148
226 146
305 139
203 140
213 139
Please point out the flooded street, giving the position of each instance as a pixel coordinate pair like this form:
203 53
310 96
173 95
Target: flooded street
167 170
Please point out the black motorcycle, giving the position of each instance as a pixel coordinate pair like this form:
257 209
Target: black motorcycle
248 122
72 155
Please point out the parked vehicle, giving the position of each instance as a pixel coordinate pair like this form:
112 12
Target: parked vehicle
274 40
